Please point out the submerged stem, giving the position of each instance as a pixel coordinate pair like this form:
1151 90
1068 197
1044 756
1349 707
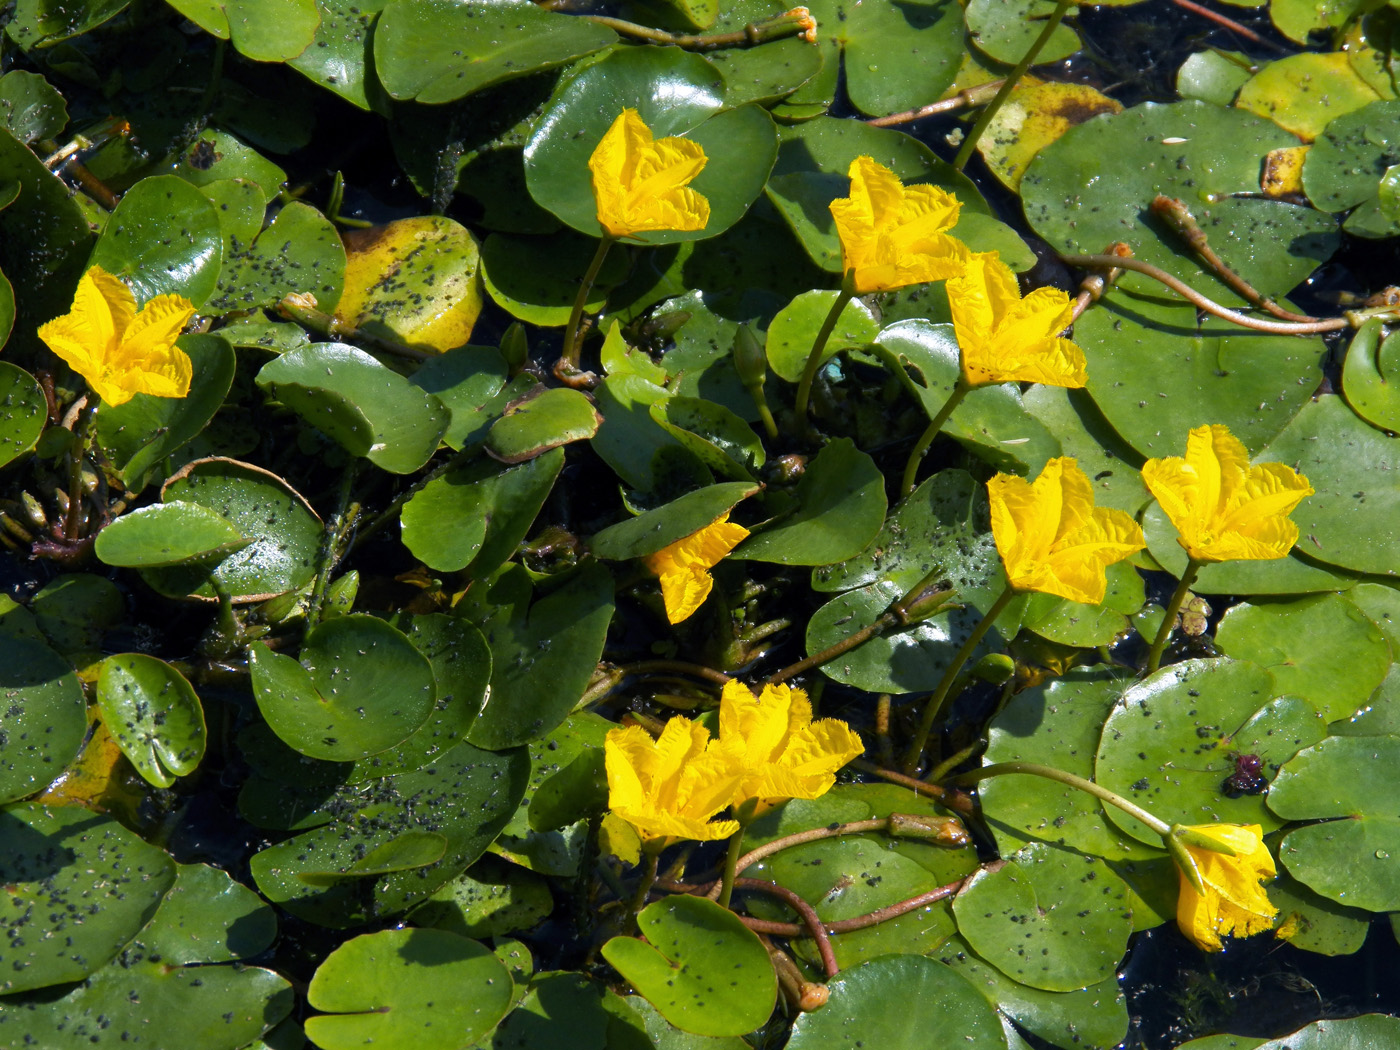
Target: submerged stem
1154 654
567 365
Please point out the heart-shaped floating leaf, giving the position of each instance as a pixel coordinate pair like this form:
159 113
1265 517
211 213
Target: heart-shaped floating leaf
467 381
79 886
1371 376
339 58
208 918
1036 115
38 25
299 253
217 156
371 410
24 412
285 532
543 649
840 507
153 715
141 433
1207 155
1349 860
169 534
761 74
477 514
793 331
408 990
75 610
900 1002
1049 918
713 434
466 795
543 420
536 279
264 30
30 107
675 92
45 716
361 687
700 966
404 852
1345 165
437 50
1305 93
647 533
1345 658
136 245
1170 743
1005 31
412 281
489 899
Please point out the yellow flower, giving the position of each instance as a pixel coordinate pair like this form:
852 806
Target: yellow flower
119 351
1229 898
672 786
1223 508
1052 538
893 235
1004 338
684 566
640 182
780 752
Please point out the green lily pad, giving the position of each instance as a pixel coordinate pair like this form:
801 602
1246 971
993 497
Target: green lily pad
1213 76
700 966
76 610
436 51
285 531
1093 1016
264 30
896 58
406 851
216 155
368 408
563 1008
467 381
23 411
30 107
1075 623
361 687
634 445
666 1036
136 246
489 899
1155 372
1049 918
153 714
761 74
1169 744
79 887
299 253
1353 520
1034 116
542 420
140 434
675 92
45 717
1344 660
794 330
1344 167
1005 31
125 997
937 1010
39 25
990 421
647 533
208 918
1370 376
412 281
466 795
1057 724
536 279
1290 575
1315 924
577 792
1345 860
716 436
476 514
340 57
1206 155
840 507
544 649
167 534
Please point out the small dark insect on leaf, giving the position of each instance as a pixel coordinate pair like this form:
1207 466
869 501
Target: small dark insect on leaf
1247 779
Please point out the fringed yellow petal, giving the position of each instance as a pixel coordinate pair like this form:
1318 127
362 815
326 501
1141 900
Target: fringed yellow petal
684 566
1052 538
780 751
669 787
893 235
1232 901
1004 338
1224 509
640 183
119 351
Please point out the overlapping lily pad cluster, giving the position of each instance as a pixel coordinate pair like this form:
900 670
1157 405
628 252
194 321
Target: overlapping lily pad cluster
521 528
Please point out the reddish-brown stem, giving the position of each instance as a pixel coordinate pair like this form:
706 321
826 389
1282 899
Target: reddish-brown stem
964 99
811 923
954 800
1227 23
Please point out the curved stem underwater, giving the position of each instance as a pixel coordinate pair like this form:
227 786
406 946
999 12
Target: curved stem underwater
1154 654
